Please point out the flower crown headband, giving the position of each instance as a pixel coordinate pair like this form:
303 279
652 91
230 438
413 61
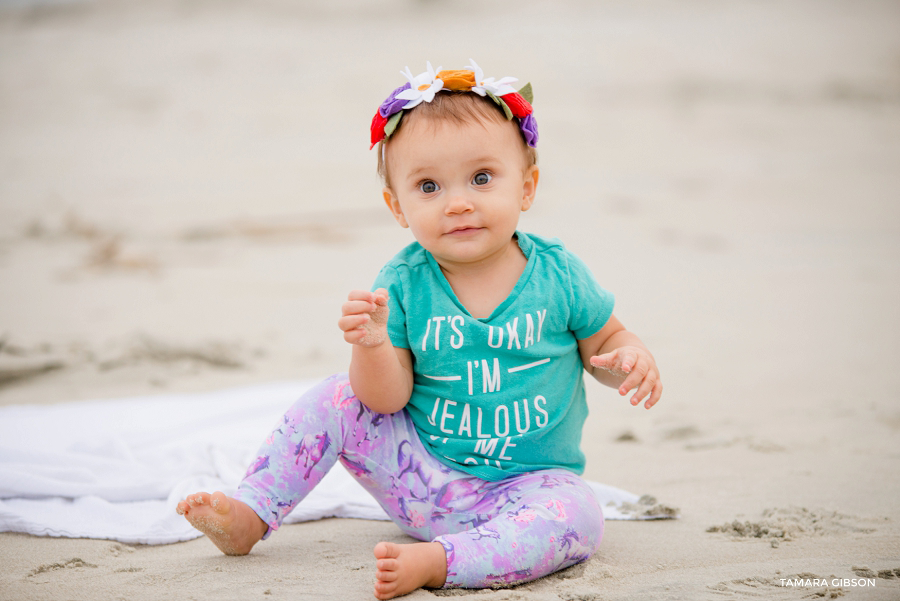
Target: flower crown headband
423 87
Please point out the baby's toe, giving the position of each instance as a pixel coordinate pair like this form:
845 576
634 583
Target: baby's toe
385 590
219 502
386 550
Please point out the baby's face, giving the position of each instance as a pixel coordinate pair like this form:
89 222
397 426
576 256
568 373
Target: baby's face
460 188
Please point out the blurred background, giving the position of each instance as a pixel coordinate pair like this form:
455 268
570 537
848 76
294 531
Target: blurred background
187 196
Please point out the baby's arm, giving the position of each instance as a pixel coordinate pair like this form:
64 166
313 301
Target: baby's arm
618 359
380 374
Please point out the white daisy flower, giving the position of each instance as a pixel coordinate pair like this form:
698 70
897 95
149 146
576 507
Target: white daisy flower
422 87
483 85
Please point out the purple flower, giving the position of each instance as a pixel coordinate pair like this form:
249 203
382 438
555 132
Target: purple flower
529 129
393 104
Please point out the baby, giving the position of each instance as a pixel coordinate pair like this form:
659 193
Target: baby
464 404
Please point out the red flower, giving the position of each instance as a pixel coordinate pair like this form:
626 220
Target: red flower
378 123
517 104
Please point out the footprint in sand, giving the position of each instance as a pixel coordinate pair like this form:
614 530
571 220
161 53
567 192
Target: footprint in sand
75 562
783 525
866 572
117 549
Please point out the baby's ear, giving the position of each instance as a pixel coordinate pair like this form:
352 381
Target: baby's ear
390 199
529 187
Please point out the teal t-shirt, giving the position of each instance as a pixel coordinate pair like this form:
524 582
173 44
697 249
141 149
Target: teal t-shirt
500 395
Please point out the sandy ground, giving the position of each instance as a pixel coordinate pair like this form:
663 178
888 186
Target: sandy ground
186 196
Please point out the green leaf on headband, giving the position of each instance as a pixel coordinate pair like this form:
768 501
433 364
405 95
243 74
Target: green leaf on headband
392 124
527 93
506 109
501 104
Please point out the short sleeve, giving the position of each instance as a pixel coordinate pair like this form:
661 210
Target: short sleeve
389 279
590 305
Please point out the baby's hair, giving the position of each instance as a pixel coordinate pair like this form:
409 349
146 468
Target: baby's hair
460 108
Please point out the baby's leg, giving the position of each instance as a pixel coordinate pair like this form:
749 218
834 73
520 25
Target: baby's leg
551 521
292 460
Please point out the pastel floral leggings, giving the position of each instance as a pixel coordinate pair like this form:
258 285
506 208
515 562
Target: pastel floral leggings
495 534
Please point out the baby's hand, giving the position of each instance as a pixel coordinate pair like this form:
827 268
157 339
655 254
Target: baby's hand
364 317
637 369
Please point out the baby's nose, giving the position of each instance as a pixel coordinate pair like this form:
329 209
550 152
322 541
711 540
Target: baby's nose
458 203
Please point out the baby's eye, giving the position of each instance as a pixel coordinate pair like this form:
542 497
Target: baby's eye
481 178
428 187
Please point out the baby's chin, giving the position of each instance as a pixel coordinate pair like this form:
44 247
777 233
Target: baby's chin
472 249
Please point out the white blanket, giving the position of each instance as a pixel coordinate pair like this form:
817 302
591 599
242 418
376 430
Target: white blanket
116 469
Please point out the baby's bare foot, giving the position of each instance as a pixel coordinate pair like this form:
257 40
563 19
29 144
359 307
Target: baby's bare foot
230 524
402 569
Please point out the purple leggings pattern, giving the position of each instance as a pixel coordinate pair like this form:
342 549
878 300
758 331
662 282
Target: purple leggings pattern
494 533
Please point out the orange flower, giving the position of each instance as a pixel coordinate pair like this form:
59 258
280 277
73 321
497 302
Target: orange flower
457 80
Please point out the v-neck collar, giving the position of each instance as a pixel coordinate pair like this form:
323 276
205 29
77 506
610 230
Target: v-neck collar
526 245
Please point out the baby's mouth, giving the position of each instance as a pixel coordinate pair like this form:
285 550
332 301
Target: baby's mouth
461 231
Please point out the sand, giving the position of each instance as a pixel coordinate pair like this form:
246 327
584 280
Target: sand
187 196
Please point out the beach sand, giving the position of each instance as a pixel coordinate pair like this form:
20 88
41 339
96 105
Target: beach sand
187 196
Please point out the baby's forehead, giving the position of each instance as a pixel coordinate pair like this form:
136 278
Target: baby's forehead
429 130
437 121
